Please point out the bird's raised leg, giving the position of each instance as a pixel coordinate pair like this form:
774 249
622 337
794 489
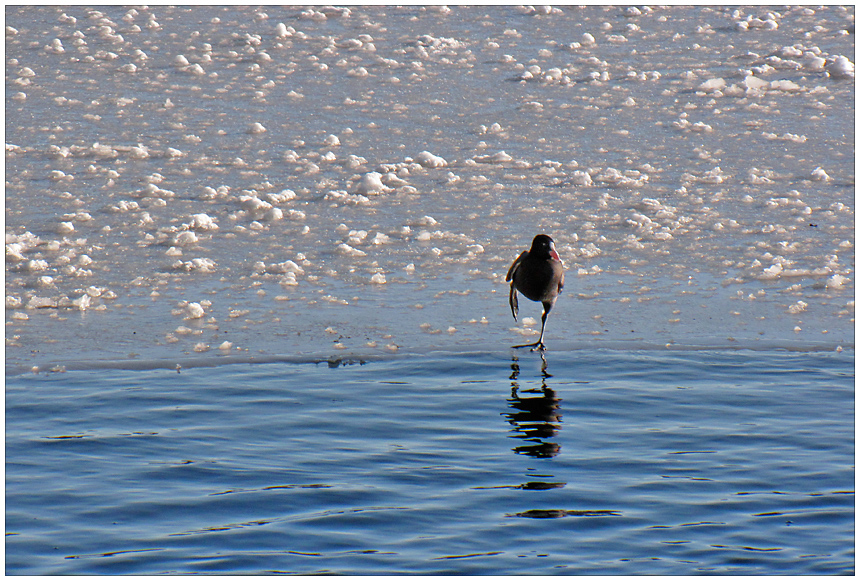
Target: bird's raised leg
512 301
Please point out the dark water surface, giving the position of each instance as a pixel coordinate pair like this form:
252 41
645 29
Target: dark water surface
595 462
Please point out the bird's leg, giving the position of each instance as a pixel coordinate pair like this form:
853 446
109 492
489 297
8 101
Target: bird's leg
512 301
539 345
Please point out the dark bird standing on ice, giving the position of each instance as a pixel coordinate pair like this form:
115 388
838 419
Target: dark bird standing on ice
538 274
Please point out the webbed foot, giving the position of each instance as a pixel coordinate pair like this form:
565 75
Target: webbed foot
537 346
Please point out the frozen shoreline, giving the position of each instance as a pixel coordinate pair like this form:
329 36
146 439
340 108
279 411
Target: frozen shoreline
337 359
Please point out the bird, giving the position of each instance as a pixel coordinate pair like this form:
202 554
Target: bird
539 275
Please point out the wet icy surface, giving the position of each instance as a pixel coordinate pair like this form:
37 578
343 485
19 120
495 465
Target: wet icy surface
212 181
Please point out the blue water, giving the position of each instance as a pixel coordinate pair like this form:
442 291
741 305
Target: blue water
589 462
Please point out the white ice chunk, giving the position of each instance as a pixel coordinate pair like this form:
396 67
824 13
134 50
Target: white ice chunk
713 85
41 303
255 207
256 128
772 272
346 249
281 197
202 222
82 302
341 196
424 221
15 252
754 83
581 178
819 175
497 158
429 160
371 183
185 238
836 281
285 267
273 214
840 67
195 69
194 310
65 228
785 85
202 265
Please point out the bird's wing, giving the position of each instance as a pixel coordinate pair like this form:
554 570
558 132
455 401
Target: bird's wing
514 265
561 281
512 300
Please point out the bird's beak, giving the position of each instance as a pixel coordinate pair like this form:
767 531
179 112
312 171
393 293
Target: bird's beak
553 252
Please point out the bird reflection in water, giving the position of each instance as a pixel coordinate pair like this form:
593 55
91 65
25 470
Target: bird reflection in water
535 418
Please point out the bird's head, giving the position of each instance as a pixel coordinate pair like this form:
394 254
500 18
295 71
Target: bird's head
543 247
